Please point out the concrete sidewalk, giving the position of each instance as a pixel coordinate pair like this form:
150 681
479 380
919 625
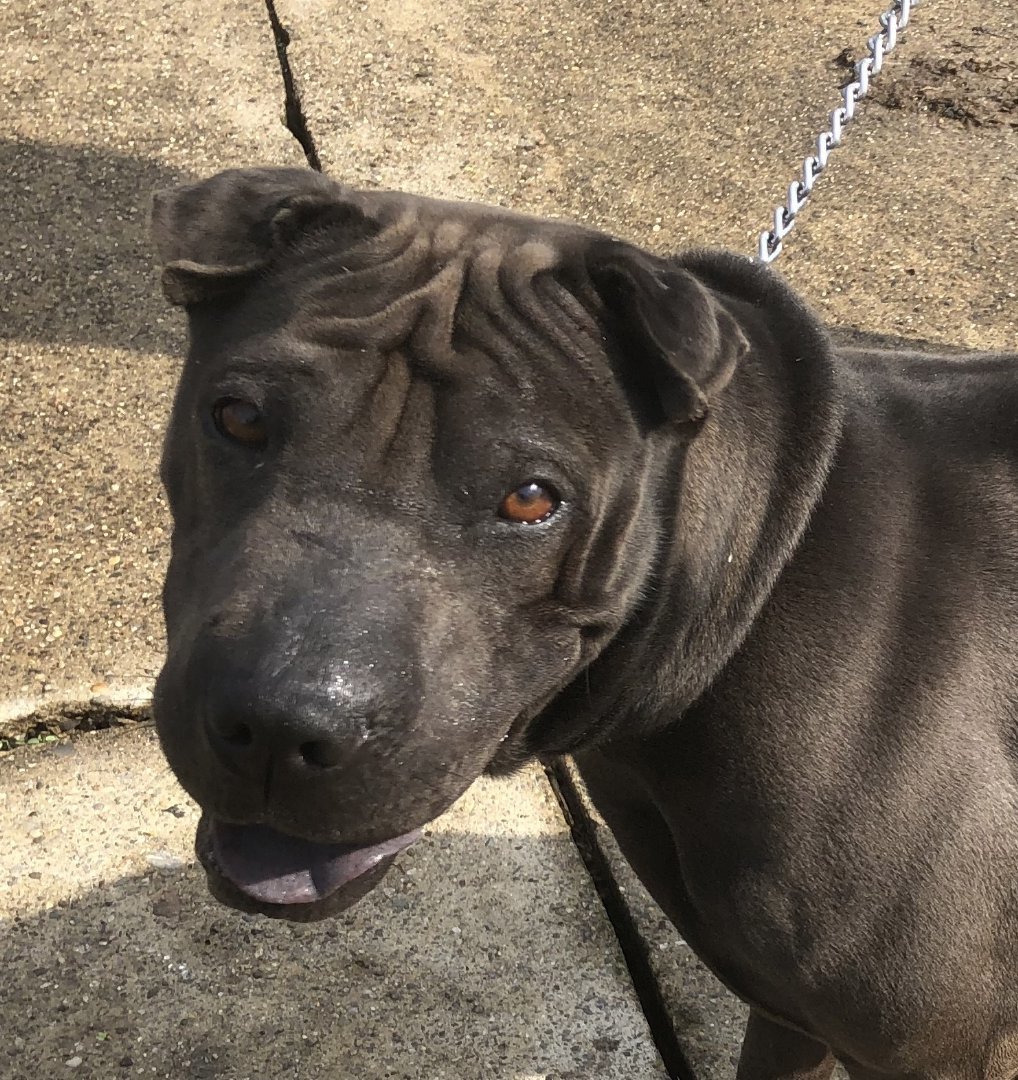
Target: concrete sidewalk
646 119
483 954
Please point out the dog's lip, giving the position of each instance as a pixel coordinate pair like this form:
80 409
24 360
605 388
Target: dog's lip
279 869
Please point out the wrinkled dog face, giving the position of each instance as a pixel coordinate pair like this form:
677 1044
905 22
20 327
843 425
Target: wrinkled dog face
410 469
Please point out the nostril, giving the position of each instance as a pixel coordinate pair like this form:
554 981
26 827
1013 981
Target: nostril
324 753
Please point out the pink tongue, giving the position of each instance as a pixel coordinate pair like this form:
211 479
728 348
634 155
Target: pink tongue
278 869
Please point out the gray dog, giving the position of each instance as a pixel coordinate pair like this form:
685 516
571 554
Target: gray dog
454 488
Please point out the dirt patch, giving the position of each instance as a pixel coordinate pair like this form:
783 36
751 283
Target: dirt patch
972 79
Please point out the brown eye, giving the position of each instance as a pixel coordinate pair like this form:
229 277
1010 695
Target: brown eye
240 421
529 503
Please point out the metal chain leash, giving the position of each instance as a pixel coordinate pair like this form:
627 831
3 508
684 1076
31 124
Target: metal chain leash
799 191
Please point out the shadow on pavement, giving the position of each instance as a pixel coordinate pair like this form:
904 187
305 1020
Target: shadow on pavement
149 976
75 260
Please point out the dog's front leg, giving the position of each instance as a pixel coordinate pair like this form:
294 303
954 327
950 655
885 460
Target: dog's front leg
772 1051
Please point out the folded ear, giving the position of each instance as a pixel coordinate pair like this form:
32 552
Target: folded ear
680 342
214 236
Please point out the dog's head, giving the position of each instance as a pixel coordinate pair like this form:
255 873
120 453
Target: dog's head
412 466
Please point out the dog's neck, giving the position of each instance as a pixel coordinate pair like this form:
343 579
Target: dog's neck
737 500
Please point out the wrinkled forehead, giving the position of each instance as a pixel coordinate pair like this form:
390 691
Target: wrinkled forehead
449 285
472 220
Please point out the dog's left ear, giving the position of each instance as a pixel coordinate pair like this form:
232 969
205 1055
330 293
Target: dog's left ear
214 236
679 340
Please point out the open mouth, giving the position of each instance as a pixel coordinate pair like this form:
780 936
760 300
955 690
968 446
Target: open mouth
259 869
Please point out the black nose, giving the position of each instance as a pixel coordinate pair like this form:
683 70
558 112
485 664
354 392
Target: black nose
248 736
294 726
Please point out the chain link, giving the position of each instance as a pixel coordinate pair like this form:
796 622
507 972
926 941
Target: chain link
813 166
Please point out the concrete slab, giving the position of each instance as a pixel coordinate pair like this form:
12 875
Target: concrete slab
101 105
484 955
914 231
677 129
626 116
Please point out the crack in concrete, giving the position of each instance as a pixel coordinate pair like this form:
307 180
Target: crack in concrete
296 121
51 723
634 948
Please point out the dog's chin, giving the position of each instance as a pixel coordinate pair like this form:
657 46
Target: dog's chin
243 896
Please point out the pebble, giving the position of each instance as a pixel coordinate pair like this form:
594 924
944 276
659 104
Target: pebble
165 860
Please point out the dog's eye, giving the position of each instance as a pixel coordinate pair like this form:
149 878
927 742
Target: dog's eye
529 503
240 421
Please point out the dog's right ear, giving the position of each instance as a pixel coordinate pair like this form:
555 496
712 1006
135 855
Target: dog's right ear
214 236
